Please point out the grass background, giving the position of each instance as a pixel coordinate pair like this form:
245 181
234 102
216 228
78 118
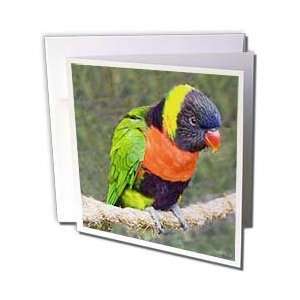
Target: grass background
103 95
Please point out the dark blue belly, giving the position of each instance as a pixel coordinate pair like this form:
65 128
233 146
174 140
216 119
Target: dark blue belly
165 193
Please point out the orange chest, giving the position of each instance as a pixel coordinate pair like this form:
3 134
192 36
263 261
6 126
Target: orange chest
164 159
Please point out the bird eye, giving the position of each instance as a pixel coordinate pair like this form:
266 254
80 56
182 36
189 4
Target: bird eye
192 121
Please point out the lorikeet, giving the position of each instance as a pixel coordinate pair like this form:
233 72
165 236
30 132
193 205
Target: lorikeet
155 150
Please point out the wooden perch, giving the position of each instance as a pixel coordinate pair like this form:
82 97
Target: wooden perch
97 214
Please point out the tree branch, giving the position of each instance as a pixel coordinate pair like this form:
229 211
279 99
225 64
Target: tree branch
97 214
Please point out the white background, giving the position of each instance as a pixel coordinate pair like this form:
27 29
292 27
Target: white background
39 259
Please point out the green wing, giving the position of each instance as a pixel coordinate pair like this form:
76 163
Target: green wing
127 152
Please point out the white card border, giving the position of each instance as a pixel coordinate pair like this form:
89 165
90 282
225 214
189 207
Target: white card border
237 262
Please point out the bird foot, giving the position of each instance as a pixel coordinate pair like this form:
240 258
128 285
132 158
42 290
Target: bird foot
155 217
178 214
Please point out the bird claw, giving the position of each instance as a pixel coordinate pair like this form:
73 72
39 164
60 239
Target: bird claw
185 226
160 230
178 214
155 217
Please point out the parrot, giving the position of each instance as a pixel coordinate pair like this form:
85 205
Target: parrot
155 150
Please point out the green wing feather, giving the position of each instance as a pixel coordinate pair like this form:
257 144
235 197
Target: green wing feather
127 152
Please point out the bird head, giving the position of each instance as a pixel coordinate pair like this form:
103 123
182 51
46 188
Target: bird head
191 119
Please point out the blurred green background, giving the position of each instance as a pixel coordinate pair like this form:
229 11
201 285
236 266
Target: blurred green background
103 95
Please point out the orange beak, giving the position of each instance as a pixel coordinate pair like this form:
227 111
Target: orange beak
212 140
